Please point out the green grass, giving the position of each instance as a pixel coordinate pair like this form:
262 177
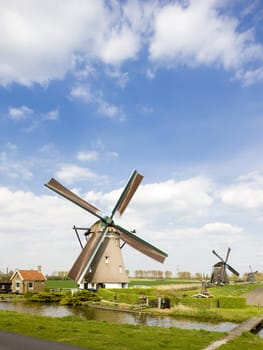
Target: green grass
57 284
157 282
233 290
105 336
245 342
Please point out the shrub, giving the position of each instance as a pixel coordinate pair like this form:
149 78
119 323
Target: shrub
80 298
47 297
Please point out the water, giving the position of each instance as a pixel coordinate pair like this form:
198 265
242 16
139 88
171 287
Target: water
55 310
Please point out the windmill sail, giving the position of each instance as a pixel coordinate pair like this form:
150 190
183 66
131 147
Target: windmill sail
141 245
127 193
86 256
66 193
232 270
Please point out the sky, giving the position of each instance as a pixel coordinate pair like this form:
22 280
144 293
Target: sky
91 90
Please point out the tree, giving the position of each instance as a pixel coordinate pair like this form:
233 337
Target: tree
185 275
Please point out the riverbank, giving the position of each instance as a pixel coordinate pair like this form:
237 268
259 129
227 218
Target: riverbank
103 335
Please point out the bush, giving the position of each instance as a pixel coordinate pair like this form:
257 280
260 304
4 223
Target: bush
47 297
80 298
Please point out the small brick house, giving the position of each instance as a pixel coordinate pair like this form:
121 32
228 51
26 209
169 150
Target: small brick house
28 281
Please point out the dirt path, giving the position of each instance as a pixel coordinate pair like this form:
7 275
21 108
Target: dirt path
255 297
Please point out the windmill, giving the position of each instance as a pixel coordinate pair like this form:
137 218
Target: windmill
251 276
219 274
100 263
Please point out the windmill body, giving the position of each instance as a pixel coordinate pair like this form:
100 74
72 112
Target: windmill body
102 267
219 273
100 263
251 276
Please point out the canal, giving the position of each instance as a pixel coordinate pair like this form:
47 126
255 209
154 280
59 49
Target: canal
111 316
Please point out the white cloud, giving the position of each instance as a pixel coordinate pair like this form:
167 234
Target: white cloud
19 113
112 155
166 204
86 156
245 194
42 41
199 34
14 168
52 115
86 94
249 76
220 228
70 172
188 197
121 78
122 45
29 223
109 110
150 74
82 92
11 146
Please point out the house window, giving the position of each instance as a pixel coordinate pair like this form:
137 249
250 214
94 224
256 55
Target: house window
2 286
30 285
17 285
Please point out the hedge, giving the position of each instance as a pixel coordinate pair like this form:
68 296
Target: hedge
222 302
231 303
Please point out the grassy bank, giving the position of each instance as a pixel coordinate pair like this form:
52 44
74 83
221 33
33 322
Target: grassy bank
103 335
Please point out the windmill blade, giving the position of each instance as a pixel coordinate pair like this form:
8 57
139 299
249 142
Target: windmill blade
141 245
55 186
232 270
219 257
227 254
223 274
127 193
85 258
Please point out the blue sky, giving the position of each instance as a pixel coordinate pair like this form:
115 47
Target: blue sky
90 91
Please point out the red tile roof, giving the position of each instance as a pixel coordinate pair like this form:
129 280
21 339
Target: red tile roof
31 275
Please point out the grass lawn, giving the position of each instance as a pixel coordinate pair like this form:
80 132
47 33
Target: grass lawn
103 335
53 284
246 342
158 282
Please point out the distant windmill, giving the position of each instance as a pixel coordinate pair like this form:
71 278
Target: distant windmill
251 276
100 263
219 274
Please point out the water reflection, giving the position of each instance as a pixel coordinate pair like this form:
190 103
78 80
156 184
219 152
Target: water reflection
55 310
